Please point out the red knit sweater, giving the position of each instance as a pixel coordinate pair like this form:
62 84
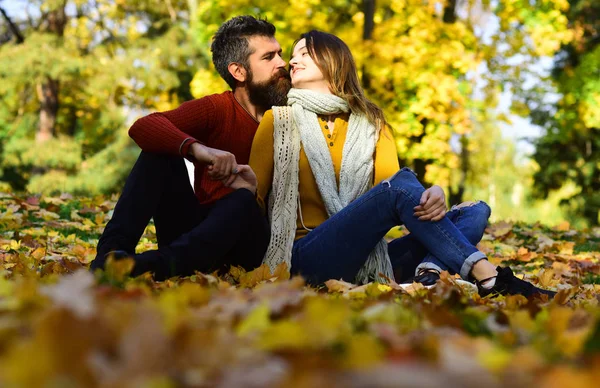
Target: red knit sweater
217 121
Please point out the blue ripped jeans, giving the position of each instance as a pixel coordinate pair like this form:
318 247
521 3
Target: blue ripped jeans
408 255
339 247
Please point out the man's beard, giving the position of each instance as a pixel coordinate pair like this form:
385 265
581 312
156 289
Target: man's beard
272 92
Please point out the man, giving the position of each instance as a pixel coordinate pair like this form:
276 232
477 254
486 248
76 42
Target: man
216 226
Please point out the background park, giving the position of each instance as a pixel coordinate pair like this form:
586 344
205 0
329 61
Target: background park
497 100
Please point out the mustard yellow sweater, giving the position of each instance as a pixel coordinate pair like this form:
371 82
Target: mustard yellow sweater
311 203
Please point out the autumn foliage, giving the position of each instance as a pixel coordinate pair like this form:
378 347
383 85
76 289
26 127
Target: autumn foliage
61 325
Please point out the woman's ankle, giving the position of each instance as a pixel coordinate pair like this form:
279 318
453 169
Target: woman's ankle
483 269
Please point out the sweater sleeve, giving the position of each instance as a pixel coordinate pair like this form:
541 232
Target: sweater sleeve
172 132
386 156
261 157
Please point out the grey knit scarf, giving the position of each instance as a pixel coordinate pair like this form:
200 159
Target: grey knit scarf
298 124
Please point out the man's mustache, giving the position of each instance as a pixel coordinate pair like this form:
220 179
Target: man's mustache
282 73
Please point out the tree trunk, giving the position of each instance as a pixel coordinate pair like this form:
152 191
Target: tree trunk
450 12
48 89
48 97
368 26
13 27
456 197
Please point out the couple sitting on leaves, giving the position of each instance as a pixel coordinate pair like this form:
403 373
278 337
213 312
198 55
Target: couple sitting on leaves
319 159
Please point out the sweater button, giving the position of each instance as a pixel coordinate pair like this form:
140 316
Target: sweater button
329 136
326 126
331 144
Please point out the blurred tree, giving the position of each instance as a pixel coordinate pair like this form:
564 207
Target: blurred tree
435 66
569 150
92 66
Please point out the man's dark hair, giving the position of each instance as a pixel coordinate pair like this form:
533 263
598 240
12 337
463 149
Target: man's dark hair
230 43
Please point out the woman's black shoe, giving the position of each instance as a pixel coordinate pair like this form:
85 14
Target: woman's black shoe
508 284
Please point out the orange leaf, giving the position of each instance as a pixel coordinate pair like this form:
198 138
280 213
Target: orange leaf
282 272
39 253
563 226
524 254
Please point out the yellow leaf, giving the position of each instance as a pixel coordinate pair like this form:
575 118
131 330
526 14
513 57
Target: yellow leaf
118 270
362 351
38 253
252 278
15 245
257 321
285 335
546 278
495 359
565 247
281 272
563 226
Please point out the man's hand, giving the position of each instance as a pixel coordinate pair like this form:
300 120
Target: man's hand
244 179
221 164
432 206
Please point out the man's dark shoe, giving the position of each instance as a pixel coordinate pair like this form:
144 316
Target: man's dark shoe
117 255
100 262
508 284
427 277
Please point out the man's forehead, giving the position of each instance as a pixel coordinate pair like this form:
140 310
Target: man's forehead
263 44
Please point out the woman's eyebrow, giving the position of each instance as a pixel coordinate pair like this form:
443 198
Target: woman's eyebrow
301 48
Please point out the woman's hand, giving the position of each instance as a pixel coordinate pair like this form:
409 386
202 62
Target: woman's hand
432 206
243 179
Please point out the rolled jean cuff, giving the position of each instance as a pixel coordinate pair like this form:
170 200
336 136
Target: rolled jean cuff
427 265
470 261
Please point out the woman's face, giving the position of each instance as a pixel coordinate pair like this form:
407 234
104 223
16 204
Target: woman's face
304 71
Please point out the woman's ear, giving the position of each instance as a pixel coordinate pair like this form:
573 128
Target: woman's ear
237 71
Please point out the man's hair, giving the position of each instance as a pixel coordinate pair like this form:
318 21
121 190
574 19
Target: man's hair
230 43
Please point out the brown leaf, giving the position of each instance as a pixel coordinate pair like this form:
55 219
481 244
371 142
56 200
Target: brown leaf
339 285
544 242
500 229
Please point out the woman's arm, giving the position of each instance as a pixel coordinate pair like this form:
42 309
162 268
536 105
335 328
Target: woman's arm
386 157
261 157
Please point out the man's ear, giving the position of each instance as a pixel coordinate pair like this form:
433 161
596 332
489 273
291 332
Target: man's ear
237 71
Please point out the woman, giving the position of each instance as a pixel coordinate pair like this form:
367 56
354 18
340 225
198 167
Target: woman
328 165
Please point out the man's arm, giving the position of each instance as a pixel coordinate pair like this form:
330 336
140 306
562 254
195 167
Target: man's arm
173 132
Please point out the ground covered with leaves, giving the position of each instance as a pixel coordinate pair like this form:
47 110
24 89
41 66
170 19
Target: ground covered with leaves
62 326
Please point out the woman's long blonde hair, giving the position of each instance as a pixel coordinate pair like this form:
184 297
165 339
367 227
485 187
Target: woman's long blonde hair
334 59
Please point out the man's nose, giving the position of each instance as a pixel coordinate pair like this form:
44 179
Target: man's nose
282 62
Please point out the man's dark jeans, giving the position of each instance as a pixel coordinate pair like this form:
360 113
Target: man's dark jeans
191 237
